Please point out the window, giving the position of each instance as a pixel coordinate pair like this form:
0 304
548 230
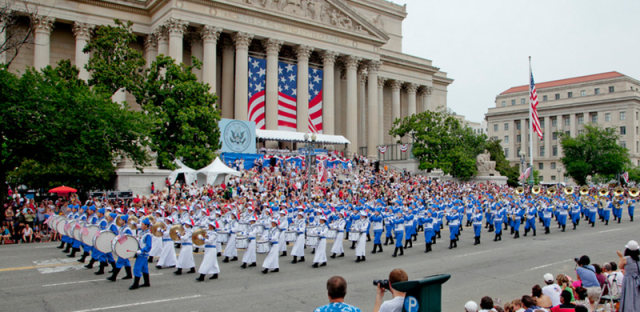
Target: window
567 133
544 98
554 136
623 130
541 151
636 130
522 101
506 126
553 165
553 178
596 91
542 122
581 119
554 150
607 116
623 115
513 102
611 89
554 122
583 92
506 139
506 153
540 166
504 103
636 115
637 147
569 94
594 118
567 121
557 96
623 144
518 138
540 178
518 125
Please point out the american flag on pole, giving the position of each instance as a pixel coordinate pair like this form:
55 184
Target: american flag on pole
625 176
257 79
533 101
315 100
287 95
525 174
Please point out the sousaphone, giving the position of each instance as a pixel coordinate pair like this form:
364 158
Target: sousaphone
603 191
634 192
618 191
569 190
519 190
176 231
584 190
536 189
198 237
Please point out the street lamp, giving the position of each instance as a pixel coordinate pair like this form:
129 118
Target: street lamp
522 169
310 140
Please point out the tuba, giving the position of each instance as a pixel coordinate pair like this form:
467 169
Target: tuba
155 229
536 189
133 222
520 190
569 190
552 191
603 192
634 192
618 191
176 231
584 190
199 236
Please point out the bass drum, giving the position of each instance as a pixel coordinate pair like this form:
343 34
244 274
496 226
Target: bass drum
77 231
68 228
89 234
103 240
125 246
60 226
53 223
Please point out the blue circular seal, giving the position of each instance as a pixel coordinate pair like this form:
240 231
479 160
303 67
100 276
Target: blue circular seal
411 304
237 136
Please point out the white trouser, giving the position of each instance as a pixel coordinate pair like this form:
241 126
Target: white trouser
338 247
231 251
298 247
250 255
168 255
271 261
321 251
185 259
209 263
361 245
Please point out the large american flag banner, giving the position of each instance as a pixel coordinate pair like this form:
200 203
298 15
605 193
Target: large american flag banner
257 80
315 100
287 95
533 101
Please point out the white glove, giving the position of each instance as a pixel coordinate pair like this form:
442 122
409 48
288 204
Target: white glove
200 237
139 252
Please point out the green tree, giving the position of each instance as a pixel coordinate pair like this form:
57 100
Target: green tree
441 141
502 164
184 112
57 130
594 152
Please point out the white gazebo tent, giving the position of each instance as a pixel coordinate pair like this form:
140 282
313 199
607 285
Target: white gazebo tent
215 173
189 174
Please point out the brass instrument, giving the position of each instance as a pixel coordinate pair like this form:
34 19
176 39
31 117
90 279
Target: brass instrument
634 192
584 190
618 191
536 189
552 190
520 190
133 222
119 221
176 231
155 229
569 190
199 236
603 191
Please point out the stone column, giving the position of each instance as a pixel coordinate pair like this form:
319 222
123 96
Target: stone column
210 35
573 125
42 41
150 49
242 41
227 83
351 65
328 94
302 89
163 41
176 30
524 139
82 32
372 109
395 99
411 95
381 132
426 91
272 48
362 114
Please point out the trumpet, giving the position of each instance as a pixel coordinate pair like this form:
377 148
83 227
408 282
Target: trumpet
520 190
536 189
618 191
603 191
634 192
584 190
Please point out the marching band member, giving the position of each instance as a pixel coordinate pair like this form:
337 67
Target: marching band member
283 226
338 244
429 235
630 208
230 251
498 220
249 257
124 229
298 246
209 263
547 212
361 227
454 222
320 257
271 262
141 265
530 223
398 229
575 214
388 224
477 225
167 258
408 229
376 224
156 250
185 259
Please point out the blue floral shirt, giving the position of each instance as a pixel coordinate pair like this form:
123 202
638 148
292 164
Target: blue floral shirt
337 307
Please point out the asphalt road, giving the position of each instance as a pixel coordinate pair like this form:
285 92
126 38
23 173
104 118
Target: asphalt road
38 277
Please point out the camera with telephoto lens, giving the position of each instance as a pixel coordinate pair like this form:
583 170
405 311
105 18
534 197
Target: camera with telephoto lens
383 283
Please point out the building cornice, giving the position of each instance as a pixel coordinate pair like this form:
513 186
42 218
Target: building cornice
581 106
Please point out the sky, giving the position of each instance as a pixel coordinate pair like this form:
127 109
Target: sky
484 45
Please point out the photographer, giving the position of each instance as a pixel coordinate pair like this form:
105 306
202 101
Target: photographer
395 304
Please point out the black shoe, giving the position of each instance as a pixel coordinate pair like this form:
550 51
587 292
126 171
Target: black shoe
333 256
341 255
244 265
101 270
219 254
323 264
200 278
375 247
234 259
284 254
380 247
113 266
158 267
315 265
145 277
66 250
90 265
226 260
301 259
534 232
358 259
61 245
73 253
113 275
275 270
84 257
214 276
252 265
127 270
395 252
136 283
295 260
363 259
150 260
401 251
178 272
265 271
192 270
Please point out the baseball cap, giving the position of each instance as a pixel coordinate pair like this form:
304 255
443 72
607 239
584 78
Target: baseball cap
471 306
632 245
548 277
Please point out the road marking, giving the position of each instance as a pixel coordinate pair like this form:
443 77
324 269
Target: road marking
139 303
474 253
41 266
548 265
87 281
607 231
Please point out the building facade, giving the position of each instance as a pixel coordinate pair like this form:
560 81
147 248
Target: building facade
366 80
609 100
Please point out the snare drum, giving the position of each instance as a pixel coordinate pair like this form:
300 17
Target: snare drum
223 237
311 241
262 247
290 236
259 228
353 236
125 246
331 234
243 227
89 234
242 242
312 230
102 241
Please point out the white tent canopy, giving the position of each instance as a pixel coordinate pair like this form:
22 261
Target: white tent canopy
291 136
215 173
189 174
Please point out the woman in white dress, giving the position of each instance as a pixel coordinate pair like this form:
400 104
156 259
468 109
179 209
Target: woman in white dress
249 257
271 261
320 257
167 257
185 259
209 263
338 247
231 251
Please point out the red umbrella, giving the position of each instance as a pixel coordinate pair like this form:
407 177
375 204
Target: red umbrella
63 190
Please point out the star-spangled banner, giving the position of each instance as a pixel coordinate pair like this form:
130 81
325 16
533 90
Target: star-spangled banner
287 96
315 100
257 81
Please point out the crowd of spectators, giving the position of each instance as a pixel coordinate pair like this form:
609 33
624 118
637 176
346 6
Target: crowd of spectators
23 220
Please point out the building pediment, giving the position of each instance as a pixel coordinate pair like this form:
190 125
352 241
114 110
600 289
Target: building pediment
331 13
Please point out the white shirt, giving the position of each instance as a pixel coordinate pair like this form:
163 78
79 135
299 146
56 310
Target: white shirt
393 305
553 291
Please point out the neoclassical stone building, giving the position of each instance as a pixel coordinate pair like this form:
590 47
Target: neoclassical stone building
366 80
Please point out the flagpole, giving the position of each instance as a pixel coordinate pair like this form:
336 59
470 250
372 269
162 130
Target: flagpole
530 127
